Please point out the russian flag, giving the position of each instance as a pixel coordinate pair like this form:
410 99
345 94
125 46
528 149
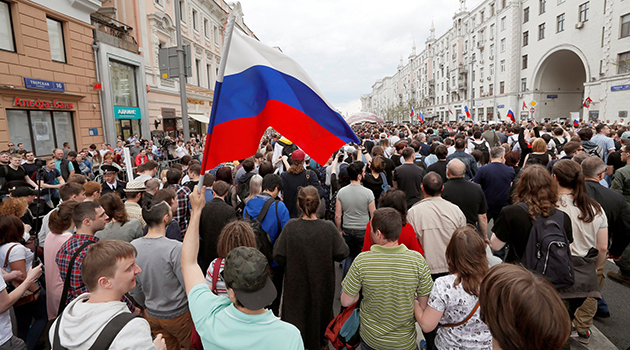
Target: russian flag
576 123
412 112
466 111
510 115
257 87
421 117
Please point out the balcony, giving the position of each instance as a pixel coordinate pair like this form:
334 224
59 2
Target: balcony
461 86
112 32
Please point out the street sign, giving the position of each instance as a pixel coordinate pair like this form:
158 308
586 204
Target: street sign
532 110
169 67
533 103
30 83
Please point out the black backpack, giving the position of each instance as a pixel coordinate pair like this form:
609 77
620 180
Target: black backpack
263 241
559 145
547 251
484 149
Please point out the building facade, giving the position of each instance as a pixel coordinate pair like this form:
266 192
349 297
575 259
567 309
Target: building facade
47 75
539 58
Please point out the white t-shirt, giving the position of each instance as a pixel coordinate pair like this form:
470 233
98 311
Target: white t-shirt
20 252
181 151
5 319
456 305
584 233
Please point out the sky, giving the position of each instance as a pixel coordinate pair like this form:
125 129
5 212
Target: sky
346 45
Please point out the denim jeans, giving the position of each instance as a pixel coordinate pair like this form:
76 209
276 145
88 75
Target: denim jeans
354 240
49 195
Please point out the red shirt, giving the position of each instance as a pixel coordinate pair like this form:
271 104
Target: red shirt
407 237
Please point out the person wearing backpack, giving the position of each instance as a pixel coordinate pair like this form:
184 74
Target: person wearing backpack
375 179
297 176
272 224
590 147
481 145
590 237
98 319
558 141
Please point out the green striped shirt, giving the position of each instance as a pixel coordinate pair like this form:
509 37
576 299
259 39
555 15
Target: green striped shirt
389 278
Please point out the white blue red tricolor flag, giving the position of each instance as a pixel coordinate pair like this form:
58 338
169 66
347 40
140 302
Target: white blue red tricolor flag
510 115
576 123
412 112
421 116
257 87
466 111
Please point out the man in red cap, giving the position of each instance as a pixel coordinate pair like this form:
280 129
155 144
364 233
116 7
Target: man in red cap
296 176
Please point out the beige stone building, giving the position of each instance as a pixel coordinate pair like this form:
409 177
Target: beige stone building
47 75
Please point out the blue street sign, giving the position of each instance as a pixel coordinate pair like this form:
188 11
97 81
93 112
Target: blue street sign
552 96
620 87
30 83
501 106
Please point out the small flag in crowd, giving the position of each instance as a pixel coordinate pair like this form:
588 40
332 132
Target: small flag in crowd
450 111
510 115
587 102
524 106
412 112
421 117
576 123
257 87
466 111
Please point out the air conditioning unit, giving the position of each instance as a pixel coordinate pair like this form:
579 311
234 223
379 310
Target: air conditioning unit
492 38
579 25
491 57
481 80
489 78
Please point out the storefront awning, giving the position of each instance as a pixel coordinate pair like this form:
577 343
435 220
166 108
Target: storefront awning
199 117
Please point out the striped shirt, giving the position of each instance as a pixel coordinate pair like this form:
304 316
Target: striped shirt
389 277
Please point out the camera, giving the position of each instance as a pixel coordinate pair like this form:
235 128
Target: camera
40 163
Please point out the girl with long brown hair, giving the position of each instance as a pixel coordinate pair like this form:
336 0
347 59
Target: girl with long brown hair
121 226
590 237
539 192
454 300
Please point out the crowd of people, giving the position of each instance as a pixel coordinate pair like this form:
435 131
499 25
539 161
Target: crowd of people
442 225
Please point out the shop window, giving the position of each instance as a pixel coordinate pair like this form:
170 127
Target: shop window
55 37
123 82
41 131
7 41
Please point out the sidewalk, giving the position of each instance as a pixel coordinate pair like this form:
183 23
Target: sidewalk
598 342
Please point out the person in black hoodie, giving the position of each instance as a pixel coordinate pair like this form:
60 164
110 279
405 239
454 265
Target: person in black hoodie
295 177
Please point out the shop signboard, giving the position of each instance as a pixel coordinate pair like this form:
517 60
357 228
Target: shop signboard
41 104
127 112
30 83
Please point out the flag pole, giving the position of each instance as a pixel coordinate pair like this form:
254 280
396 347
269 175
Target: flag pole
229 29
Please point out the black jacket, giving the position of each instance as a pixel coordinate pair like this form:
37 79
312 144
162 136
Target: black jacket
120 188
617 212
214 216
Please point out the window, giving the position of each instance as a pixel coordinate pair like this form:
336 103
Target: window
560 23
584 12
501 87
40 131
483 17
503 45
6 29
526 15
523 84
472 95
525 38
491 10
209 75
182 10
217 35
159 2
198 71
492 69
124 87
502 66
195 20
491 89
206 28
503 4
541 31
524 65
481 90
623 63
481 73
492 50
503 24
625 26
473 75
55 37
541 6
492 31
561 2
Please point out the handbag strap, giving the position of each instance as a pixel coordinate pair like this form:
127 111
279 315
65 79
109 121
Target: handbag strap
66 282
6 258
107 335
464 320
215 274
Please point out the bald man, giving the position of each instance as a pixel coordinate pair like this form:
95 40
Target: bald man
468 196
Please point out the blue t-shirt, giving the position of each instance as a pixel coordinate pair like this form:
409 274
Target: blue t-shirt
222 326
269 222
495 180
58 167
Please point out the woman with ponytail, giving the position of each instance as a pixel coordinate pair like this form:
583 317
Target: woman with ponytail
61 229
590 238
308 247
